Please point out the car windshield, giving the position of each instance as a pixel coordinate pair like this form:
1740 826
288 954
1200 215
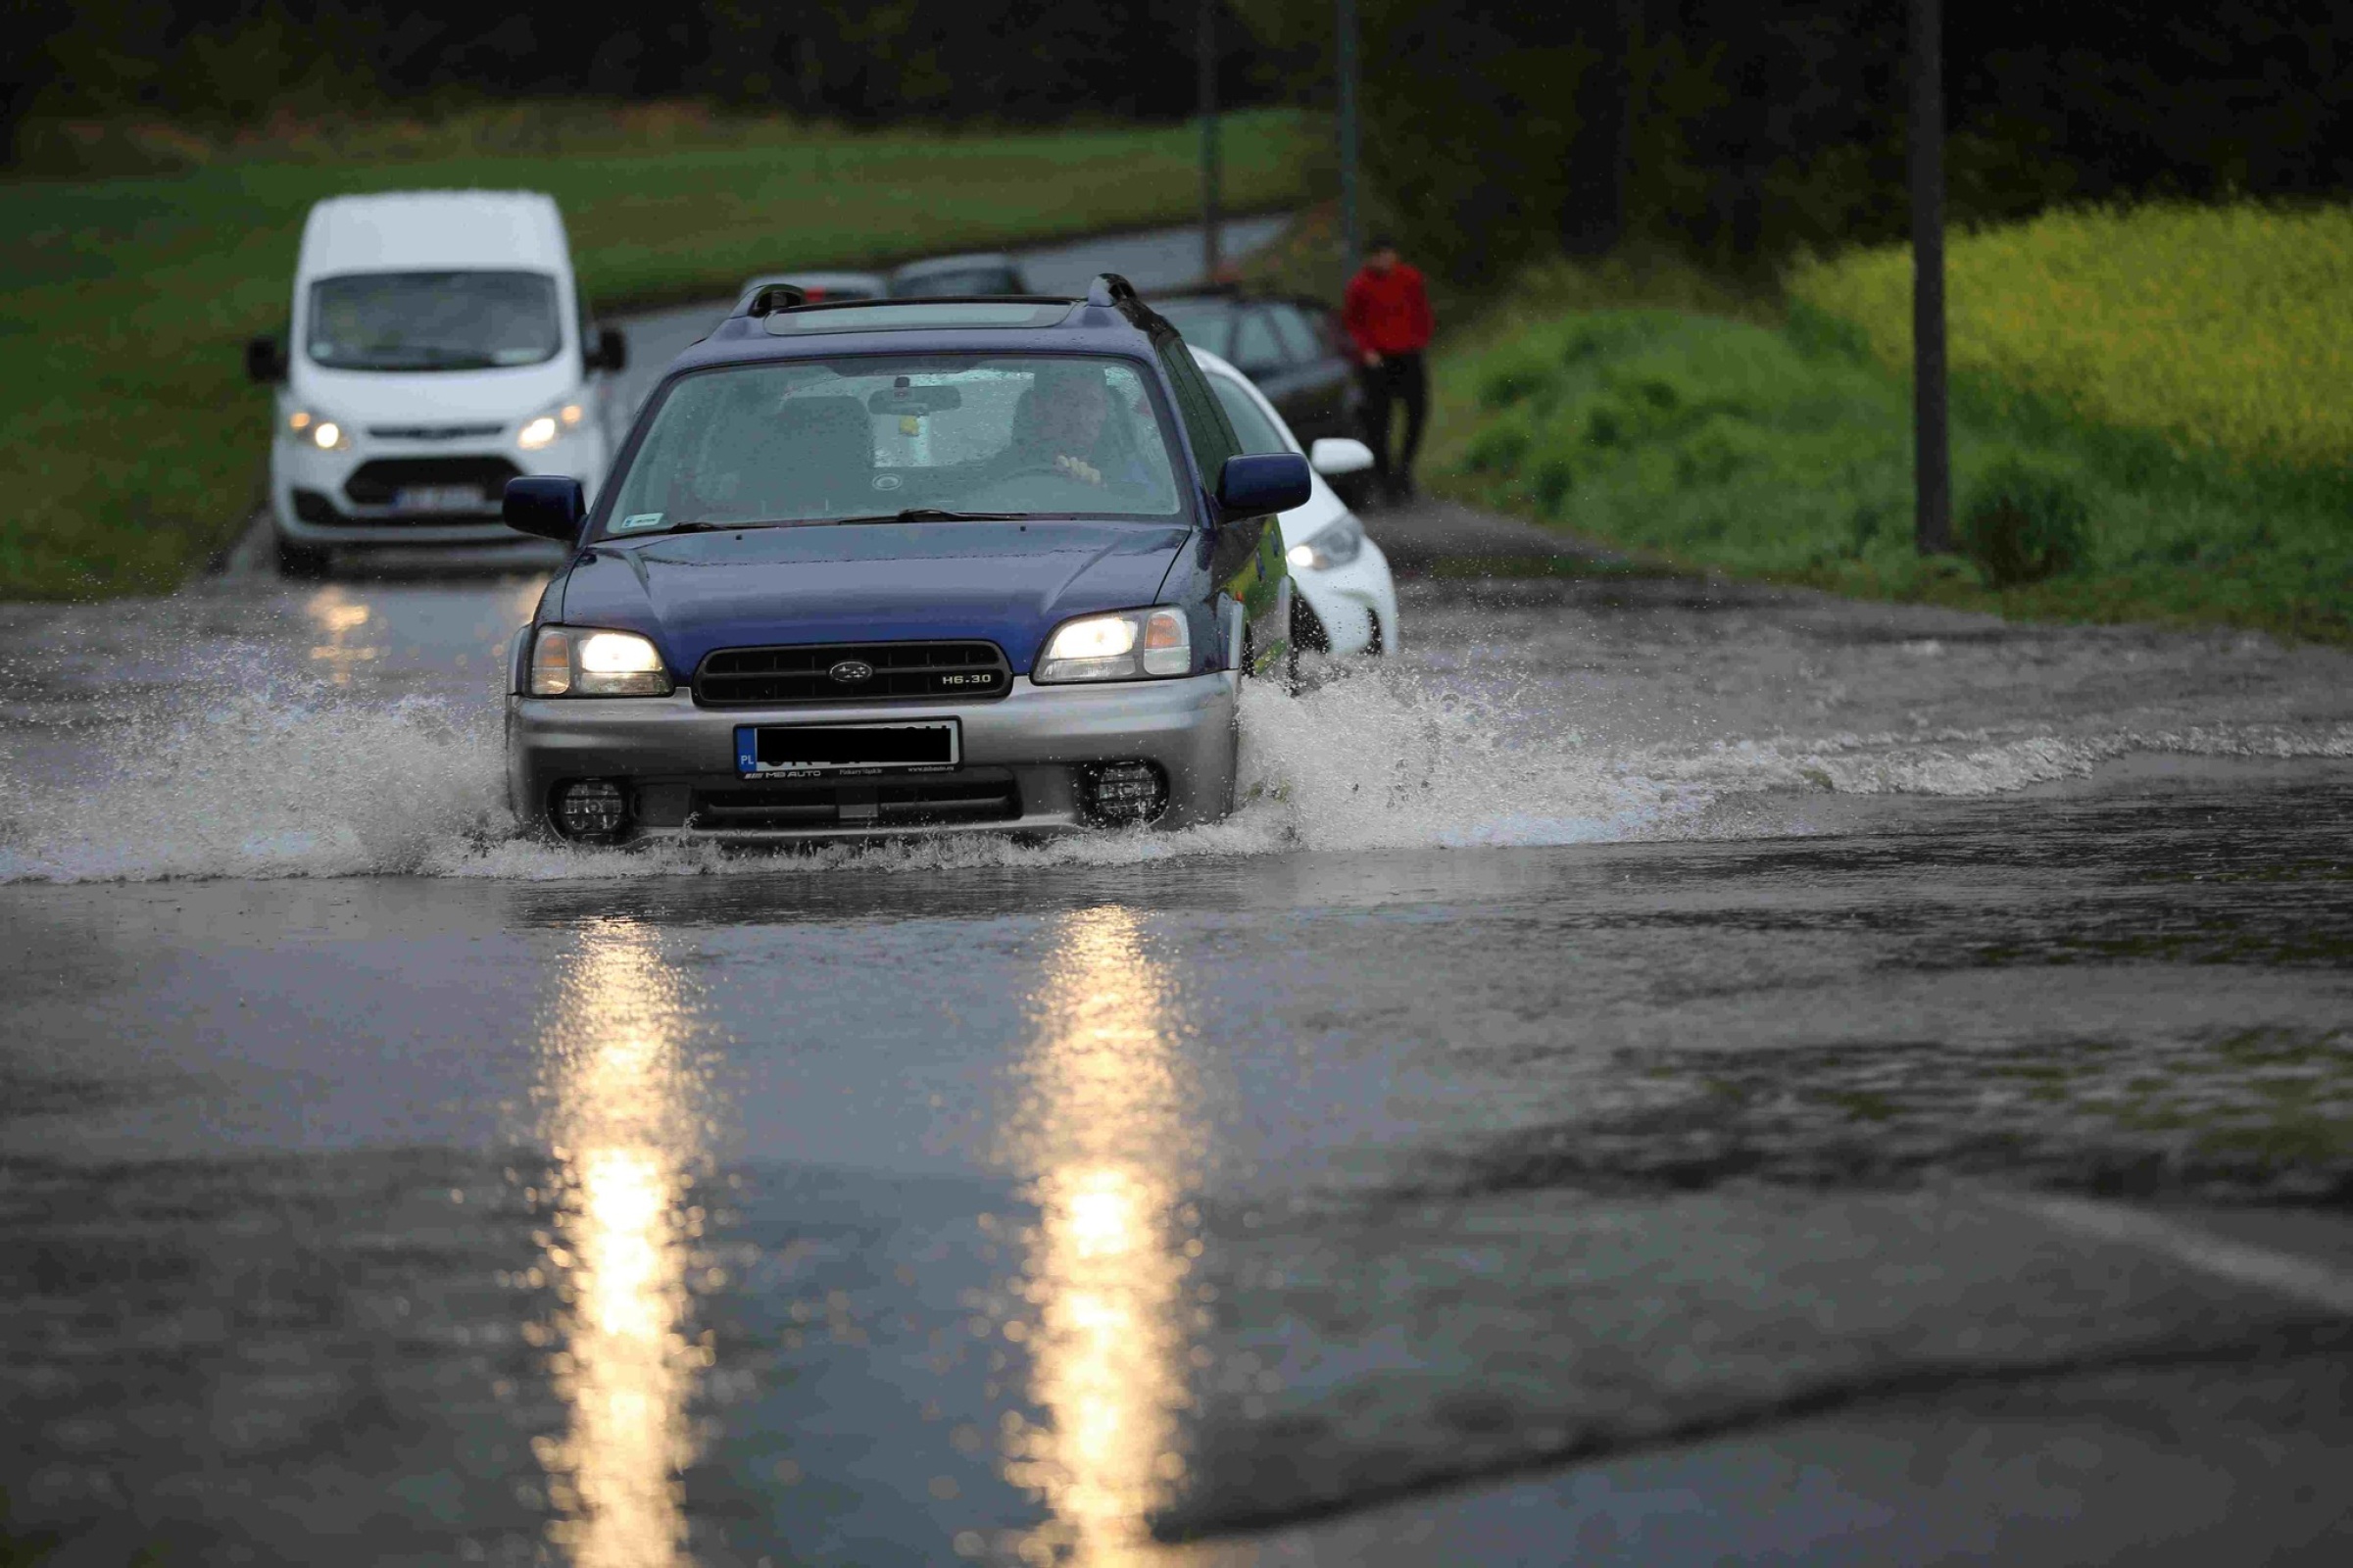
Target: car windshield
961 282
1252 428
433 320
1203 324
869 437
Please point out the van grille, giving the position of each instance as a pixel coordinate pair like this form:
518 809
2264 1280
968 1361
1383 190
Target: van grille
434 432
960 672
377 483
978 795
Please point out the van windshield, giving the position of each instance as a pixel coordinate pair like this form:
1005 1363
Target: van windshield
868 438
433 320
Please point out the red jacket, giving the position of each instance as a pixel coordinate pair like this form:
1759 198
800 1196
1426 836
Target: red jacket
1387 313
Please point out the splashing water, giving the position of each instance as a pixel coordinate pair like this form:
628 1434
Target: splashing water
303 778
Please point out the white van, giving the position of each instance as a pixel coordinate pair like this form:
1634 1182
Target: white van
438 348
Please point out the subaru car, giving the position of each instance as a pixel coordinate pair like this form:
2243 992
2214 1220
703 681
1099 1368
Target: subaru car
906 567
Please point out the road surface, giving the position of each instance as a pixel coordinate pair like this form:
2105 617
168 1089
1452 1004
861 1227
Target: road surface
1662 1071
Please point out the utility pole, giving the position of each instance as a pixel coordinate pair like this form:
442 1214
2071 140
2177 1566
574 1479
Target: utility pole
1931 440
1211 261
1352 233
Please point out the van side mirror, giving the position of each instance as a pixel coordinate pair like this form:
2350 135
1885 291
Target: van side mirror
611 351
546 506
1255 485
264 361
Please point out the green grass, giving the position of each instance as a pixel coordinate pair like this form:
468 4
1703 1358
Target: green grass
135 447
1778 446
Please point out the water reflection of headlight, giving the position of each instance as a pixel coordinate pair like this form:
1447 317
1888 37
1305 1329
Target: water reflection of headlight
626 1131
1107 1137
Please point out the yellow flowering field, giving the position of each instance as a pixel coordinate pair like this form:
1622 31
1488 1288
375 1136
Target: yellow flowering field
2226 330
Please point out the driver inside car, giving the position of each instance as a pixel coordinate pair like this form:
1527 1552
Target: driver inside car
1063 424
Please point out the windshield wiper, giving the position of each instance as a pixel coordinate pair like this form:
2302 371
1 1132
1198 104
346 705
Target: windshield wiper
934 514
682 527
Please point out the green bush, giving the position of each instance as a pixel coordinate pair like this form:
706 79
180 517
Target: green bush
2023 522
1741 447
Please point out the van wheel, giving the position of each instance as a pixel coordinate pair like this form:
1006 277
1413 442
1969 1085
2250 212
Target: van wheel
303 562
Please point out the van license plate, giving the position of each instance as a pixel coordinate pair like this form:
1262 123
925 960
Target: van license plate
438 498
812 751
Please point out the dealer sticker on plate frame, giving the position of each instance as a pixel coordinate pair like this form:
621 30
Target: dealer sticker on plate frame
834 751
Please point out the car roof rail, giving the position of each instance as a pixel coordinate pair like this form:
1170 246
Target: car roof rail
1110 290
770 298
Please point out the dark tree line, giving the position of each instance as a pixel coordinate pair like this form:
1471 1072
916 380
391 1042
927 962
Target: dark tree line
1494 128
1497 129
860 62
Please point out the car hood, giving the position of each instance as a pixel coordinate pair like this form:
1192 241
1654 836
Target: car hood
1008 582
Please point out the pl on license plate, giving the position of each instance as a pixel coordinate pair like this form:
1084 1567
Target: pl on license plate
438 498
815 751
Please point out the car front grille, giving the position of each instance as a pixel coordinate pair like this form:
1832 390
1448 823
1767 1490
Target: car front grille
975 794
935 673
434 432
377 483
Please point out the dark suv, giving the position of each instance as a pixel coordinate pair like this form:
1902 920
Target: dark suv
1291 349
905 565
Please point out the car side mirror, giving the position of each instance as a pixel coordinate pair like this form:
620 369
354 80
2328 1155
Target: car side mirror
1263 482
546 506
613 351
264 361
1334 455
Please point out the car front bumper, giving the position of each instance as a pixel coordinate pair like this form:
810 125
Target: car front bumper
675 761
296 471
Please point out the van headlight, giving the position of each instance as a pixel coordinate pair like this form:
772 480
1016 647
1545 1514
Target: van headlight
579 661
309 428
547 428
1335 546
1126 644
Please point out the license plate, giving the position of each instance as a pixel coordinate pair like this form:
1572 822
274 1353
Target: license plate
812 751
438 498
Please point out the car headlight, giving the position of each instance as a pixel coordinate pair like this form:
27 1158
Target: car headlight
311 428
1335 546
576 662
546 430
1128 645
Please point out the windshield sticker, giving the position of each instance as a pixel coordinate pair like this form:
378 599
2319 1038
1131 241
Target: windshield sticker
643 519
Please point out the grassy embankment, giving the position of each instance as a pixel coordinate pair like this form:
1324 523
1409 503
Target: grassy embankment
134 445
2150 420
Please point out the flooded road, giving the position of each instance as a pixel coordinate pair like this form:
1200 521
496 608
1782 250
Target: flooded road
1662 1070
1746 1047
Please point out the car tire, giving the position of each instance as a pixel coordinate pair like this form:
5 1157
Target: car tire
301 562
1306 628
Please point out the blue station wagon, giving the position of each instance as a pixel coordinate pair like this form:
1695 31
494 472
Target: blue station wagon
905 567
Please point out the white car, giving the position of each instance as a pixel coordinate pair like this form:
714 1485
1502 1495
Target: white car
438 348
1344 602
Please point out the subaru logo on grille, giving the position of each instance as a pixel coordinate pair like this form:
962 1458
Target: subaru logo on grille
850 671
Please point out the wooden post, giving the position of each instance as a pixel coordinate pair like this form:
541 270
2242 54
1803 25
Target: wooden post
1352 231
1212 260
1931 460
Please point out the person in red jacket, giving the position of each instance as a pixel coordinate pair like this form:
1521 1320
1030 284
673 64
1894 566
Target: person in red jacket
1387 318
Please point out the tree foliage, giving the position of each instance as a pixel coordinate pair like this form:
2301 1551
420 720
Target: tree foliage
1498 130
860 62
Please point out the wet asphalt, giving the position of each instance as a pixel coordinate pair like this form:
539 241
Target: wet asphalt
1663 1072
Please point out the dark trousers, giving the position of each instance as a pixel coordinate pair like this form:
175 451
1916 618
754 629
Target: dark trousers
1398 378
